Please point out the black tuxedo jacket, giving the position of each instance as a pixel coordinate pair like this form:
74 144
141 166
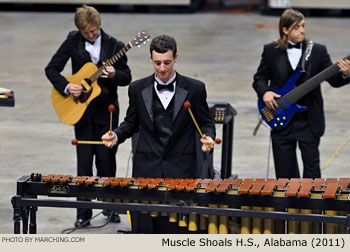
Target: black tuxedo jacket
273 72
74 48
151 159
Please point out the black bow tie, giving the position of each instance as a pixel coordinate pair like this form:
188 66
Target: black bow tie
85 40
297 45
169 86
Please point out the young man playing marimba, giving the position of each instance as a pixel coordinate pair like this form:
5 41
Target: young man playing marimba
166 146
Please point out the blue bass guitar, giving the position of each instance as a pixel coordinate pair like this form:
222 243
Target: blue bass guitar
278 118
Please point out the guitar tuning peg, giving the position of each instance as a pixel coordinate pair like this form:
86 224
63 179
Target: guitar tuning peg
144 42
138 46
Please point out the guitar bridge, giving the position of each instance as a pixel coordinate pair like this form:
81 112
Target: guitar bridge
267 114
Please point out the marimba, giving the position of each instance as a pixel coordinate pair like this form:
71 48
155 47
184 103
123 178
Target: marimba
7 97
252 205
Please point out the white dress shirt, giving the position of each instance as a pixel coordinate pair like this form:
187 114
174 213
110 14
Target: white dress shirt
294 55
94 49
165 95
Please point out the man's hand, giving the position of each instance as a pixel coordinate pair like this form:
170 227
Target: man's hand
109 139
107 71
74 89
344 65
208 143
269 100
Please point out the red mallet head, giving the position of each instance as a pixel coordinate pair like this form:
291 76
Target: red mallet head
74 141
187 104
111 108
218 141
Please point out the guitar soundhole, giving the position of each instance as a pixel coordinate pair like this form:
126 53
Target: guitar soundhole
85 95
88 81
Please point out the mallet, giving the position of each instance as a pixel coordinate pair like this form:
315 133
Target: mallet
76 142
187 105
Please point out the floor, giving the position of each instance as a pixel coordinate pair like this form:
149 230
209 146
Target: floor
220 48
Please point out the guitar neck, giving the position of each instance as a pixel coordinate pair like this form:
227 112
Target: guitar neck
111 62
300 91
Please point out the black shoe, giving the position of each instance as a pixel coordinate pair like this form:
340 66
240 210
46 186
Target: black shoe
114 218
82 223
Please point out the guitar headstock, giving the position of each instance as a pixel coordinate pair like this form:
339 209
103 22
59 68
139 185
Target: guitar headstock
141 38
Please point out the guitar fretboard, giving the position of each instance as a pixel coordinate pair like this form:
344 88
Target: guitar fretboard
300 91
111 62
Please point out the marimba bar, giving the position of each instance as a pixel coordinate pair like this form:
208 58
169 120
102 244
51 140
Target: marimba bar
263 206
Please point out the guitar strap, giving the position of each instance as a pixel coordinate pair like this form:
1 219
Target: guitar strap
306 55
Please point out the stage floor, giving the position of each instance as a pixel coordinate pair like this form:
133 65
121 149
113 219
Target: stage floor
222 49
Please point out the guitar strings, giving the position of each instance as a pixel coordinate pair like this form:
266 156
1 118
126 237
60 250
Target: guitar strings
293 96
303 89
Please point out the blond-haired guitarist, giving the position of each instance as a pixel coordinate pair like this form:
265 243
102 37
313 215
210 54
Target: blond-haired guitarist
91 44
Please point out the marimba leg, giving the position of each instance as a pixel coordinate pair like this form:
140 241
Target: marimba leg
32 224
25 219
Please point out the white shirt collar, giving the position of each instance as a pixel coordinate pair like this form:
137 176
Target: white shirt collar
169 81
165 96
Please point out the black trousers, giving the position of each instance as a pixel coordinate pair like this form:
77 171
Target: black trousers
105 159
298 133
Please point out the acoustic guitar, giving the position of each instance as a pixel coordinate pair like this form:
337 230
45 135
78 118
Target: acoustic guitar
70 109
279 118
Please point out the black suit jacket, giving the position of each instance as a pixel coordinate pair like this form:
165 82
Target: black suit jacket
273 73
151 159
74 48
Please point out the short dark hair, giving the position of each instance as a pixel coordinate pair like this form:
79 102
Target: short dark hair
163 43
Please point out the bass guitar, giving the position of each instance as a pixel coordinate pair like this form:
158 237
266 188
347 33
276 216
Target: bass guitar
70 109
279 118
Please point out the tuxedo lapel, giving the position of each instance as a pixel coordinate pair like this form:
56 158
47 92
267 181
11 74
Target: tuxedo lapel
282 63
103 51
81 50
147 96
180 96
